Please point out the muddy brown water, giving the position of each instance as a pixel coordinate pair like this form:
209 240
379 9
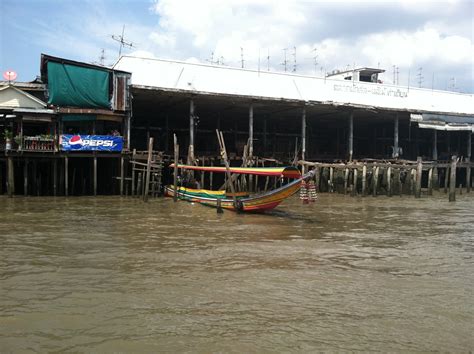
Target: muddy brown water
111 274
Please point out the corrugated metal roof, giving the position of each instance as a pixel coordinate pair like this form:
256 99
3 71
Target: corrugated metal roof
194 78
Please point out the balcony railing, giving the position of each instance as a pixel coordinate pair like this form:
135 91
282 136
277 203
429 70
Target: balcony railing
38 143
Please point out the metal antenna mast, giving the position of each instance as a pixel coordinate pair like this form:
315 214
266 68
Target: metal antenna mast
122 41
315 60
294 59
268 60
102 57
420 76
285 62
242 57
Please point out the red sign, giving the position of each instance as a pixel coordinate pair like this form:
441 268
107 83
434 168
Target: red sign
9 75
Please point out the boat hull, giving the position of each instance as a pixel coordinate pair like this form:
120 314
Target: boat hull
255 203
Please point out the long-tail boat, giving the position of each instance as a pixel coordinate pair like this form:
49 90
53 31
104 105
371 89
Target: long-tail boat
242 201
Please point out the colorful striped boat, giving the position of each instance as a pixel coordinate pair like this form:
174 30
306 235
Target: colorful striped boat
243 202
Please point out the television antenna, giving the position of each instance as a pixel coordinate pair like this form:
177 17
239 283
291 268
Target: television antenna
420 76
285 62
242 57
294 59
122 41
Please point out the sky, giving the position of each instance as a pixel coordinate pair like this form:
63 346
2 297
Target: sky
419 43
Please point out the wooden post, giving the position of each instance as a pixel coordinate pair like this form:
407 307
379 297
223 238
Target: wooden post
94 172
354 187
148 169
250 142
122 174
419 172
389 181
202 172
446 179
140 184
430 181
350 143
468 160
376 180
396 149
303 137
331 175
452 180
211 176
223 149
364 180
435 145
55 177
317 179
191 133
264 136
25 178
346 178
66 176
176 158
10 177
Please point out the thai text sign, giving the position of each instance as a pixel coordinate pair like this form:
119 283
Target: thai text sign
91 143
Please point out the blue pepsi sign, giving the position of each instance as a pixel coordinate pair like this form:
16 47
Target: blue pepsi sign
91 143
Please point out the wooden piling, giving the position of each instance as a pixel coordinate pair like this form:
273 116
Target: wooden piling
446 179
94 171
452 180
55 177
25 178
389 181
354 186
331 175
317 178
122 174
419 171
148 169
430 181
10 177
364 180
139 184
346 177
375 181
175 170
66 176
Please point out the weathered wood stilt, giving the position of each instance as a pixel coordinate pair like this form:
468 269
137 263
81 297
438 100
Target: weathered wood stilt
376 181
94 171
346 177
350 138
317 178
139 185
452 180
389 181
176 157
10 177
25 178
419 171
364 180
66 176
354 186
446 179
122 174
303 137
148 170
468 160
55 177
430 181
331 175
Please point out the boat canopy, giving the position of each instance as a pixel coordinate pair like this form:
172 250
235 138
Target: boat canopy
288 172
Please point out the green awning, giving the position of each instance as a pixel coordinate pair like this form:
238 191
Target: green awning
76 86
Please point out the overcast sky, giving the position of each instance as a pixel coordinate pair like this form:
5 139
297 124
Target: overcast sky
436 36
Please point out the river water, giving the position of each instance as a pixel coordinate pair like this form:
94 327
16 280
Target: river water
111 274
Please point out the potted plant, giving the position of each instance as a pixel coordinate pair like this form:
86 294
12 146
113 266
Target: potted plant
8 135
18 141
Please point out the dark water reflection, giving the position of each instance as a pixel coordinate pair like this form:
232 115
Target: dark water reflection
112 274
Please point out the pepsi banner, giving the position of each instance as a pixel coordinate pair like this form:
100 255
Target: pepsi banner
91 143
